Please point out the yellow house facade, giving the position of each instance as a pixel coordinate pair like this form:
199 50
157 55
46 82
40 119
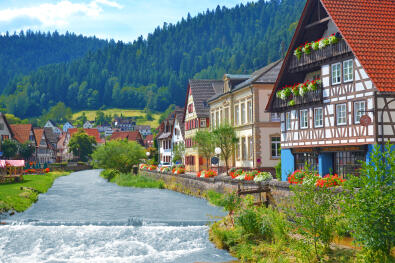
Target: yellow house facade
242 104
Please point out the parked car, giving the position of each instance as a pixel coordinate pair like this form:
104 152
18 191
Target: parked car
164 165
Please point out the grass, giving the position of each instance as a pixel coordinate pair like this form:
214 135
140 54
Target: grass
13 198
91 114
139 181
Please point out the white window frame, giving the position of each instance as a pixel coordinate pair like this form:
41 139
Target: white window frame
249 110
277 146
337 75
348 74
321 124
237 117
339 110
243 113
357 110
288 121
203 123
304 119
275 117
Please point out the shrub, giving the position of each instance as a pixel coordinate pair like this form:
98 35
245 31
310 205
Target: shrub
278 170
370 209
109 174
207 173
178 170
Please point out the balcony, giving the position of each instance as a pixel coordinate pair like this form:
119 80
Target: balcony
310 98
317 57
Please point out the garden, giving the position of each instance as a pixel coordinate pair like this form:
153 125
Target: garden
321 218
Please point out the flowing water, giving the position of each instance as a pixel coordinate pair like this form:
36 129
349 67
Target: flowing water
83 218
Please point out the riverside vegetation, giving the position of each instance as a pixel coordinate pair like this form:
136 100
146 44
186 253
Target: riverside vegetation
12 197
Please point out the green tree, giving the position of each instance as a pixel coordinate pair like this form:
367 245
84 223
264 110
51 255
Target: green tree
204 142
26 150
9 148
58 113
178 152
225 138
81 119
120 155
370 208
82 145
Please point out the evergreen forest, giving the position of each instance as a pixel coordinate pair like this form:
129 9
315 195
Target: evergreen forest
153 73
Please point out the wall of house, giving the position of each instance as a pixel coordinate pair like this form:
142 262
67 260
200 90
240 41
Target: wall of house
388 113
4 131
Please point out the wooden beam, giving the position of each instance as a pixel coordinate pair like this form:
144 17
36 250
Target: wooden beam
318 22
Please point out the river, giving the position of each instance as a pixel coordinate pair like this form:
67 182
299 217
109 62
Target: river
83 218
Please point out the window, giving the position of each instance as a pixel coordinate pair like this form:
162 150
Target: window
250 148
309 158
288 121
238 150
341 114
249 106
212 119
203 123
275 117
243 113
359 110
348 70
217 119
304 120
236 115
227 115
348 163
190 108
1 126
276 147
336 73
318 118
243 149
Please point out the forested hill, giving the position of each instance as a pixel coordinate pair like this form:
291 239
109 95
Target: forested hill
22 52
154 72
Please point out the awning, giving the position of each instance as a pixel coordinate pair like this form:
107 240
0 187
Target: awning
14 163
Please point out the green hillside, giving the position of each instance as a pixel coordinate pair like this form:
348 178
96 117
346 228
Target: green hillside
154 72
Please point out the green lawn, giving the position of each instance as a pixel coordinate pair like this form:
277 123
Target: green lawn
12 197
90 114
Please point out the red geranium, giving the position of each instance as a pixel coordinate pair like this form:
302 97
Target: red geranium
330 181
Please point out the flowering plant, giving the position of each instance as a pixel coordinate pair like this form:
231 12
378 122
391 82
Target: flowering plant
165 169
178 170
307 48
143 166
330 181
295 90
311 179
291 103
284 93
299 89
152 167
236 173
46 170
315 45
263 176
207 173
296 177
298 52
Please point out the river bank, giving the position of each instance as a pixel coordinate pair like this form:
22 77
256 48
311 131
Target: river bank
19 196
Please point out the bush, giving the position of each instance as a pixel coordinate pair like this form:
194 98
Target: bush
278 170
109 174
370 209
121 155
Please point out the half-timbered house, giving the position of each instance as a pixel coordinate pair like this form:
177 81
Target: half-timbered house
336 95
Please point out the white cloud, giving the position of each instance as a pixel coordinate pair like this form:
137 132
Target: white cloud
58 14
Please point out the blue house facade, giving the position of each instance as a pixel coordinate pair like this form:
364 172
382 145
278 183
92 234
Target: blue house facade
332 111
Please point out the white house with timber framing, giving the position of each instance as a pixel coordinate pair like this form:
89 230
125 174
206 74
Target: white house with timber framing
336 122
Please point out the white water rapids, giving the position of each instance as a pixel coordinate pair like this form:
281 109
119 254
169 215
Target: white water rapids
82 218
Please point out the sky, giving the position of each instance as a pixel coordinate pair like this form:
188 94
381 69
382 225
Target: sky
108 19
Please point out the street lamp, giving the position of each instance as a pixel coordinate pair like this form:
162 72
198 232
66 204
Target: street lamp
217 151
148 154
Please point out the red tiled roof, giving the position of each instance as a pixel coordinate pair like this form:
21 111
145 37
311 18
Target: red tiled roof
91 132
21 132
368 26
38 133
129 135
149 137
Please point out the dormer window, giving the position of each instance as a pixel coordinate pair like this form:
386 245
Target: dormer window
190 108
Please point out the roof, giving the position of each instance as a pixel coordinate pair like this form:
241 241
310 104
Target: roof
130 135
51 136
21 132
142 127
164 135
38 133
149 137
369 29
202 90
91 132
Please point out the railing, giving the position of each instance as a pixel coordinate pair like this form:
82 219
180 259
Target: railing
319 55
311 97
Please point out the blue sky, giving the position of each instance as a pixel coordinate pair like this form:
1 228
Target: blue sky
118 19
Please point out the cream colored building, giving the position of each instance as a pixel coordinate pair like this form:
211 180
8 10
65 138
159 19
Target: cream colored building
242 104
197 117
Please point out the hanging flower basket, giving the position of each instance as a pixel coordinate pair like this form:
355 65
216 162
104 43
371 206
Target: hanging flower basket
307 48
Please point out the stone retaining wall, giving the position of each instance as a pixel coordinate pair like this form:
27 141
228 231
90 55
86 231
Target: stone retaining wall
189 183
73 167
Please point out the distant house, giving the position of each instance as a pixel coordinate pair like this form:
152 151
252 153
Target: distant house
143 129
24 133
45 151
52 137
5 129
67 126
130 136
63 153
125 124
91 132
149 141
88 125
52 125
103 127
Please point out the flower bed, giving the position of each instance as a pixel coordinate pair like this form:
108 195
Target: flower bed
143 166
165 170
207 173
253 175
152 167
178 170
310 178
330 181
315 45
